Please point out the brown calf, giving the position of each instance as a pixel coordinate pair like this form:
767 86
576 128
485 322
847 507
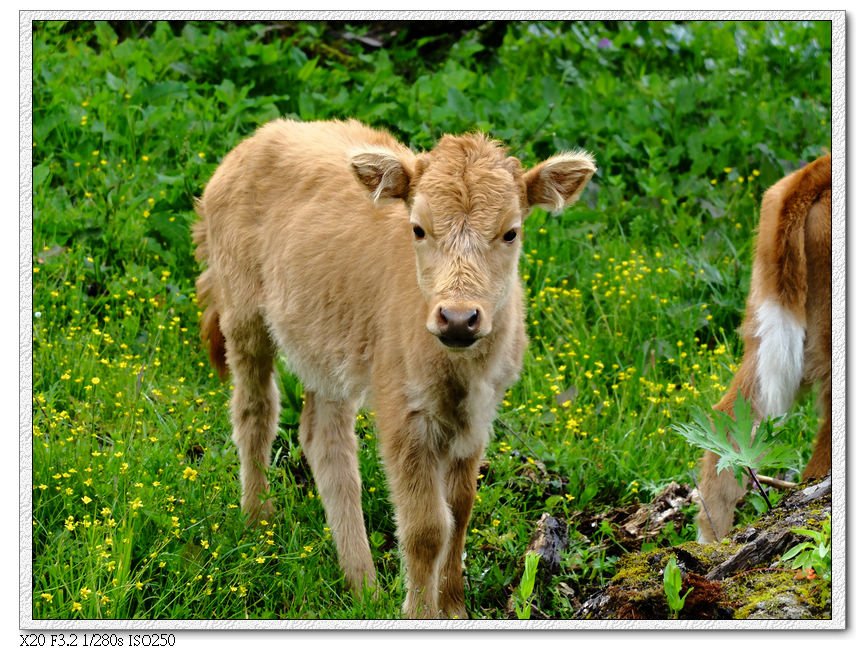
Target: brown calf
386 278
787 327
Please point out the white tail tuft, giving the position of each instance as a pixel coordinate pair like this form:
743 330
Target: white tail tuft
780 357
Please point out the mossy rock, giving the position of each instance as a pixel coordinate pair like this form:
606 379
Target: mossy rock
778 594
736 578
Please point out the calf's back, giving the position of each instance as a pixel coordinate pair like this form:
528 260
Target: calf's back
293 235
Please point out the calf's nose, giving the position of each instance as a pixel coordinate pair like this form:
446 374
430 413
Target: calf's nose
458 327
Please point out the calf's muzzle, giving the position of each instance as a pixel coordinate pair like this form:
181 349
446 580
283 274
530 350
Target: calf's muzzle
457 326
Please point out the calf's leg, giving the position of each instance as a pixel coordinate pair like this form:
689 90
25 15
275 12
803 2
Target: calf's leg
719 493
254 407
423 519
461 487
330 445
821 459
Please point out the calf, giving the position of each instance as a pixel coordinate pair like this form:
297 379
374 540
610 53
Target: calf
386 278
787 327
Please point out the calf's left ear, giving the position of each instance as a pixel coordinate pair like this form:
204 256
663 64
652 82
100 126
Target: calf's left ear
381 172
558 181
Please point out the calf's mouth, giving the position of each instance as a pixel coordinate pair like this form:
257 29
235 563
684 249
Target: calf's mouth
458 342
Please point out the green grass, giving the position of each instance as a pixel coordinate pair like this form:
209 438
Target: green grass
634 294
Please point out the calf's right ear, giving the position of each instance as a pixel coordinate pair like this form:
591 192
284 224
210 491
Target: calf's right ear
382 173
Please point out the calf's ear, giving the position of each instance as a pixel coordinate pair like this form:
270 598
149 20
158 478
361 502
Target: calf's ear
381 172
558 181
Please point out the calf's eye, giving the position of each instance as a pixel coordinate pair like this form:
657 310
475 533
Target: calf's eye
418 233
510 235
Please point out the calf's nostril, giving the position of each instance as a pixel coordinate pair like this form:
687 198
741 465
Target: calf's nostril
442 318
473 321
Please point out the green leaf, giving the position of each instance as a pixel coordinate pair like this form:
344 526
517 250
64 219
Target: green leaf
527 581
738 442
41 172
169 180
459 104
672 577
307 69
226 92
113 82
795 550
306 106
673 586
813 534
161 90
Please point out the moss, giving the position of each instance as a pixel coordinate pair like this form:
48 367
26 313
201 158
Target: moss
635 571
772 594
637 589
711 554
818 595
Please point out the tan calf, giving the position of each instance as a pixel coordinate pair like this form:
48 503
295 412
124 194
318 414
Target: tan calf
787 327
386 278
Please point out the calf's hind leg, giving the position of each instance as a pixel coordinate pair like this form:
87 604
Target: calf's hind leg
821 458
254 407
330 445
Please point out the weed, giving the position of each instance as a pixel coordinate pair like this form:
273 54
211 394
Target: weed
741 444
673 587
812 558
523 607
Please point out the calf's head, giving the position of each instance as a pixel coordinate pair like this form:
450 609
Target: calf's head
467 201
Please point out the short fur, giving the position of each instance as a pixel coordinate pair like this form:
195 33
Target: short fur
307 235
787 327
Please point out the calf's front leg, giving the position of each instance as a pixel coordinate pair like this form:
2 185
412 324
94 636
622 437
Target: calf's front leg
720 492
461 487
423 519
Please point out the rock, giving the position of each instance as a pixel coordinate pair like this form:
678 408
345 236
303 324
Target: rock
548 541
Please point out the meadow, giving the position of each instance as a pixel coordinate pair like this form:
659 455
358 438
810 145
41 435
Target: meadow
633 295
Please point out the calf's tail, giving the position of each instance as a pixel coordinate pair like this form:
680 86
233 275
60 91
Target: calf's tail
791 270
781 317
211 334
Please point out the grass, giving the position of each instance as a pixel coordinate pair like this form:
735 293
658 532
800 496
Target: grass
634 295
